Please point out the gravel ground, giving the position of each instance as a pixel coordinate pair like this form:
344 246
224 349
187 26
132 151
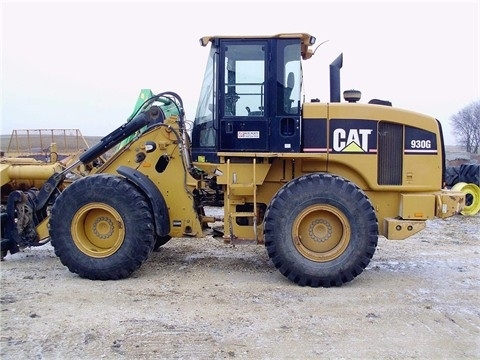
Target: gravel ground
204 299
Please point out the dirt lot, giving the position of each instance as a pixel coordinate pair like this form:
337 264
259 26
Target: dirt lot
203 299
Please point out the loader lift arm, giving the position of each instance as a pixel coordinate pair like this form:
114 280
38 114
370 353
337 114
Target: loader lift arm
37 201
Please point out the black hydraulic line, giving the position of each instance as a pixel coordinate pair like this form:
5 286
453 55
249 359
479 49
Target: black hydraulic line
114 138
105 144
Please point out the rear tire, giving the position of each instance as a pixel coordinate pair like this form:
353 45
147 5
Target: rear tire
451 175
102 228
469 173
320 230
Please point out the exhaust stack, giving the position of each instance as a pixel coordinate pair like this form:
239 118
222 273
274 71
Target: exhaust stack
335 67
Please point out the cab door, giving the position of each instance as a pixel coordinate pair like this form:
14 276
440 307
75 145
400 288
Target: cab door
243 102
285 129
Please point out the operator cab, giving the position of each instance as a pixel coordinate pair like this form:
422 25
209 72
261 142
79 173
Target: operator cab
251 95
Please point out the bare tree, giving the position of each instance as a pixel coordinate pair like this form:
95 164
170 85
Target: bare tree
466 127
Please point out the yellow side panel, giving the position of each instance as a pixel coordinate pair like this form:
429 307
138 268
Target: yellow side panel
417 206
165 168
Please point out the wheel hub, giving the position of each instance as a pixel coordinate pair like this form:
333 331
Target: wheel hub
320 230
321 233
103 227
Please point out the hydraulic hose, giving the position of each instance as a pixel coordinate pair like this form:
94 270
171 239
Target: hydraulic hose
114 138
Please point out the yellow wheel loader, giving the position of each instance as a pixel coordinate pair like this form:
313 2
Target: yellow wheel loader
316 182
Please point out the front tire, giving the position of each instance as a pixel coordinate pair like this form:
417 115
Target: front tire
320 230
102 228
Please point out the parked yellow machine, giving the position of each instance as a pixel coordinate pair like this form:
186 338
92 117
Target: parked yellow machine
25 173
34 155
316 182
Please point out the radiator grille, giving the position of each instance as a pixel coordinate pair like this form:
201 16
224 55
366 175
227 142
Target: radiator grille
390 153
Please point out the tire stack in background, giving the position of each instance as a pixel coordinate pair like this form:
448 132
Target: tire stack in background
465 178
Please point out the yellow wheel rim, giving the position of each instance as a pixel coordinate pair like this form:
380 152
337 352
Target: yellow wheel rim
321 233
98 230
473 191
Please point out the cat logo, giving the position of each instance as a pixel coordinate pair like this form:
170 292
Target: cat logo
352 140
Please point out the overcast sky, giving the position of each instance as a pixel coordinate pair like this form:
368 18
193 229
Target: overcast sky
81 65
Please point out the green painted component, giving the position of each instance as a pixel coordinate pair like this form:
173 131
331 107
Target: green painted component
168 107
144 95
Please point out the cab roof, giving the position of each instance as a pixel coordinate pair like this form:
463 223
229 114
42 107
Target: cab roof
306 39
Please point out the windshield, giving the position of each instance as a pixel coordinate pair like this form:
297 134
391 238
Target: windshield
206 106
204 132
